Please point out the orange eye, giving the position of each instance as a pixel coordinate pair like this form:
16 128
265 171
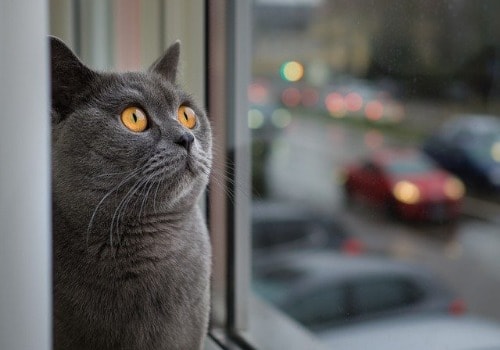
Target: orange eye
186 117
134 119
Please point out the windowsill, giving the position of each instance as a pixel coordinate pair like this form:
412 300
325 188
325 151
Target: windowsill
211 345
271 330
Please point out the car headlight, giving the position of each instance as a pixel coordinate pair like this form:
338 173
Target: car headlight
454 188
406 192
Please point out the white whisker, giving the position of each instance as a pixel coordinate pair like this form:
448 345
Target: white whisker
126 179
122 207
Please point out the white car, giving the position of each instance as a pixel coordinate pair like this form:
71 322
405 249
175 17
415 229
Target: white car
324 290
424 332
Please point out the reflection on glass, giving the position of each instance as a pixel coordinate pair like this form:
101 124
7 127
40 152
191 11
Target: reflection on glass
339 90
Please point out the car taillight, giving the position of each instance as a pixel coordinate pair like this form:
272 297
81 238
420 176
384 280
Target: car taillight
353 246
457 307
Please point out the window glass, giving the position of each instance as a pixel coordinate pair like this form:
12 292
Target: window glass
411 89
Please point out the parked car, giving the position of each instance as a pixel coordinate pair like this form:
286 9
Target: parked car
323 290
285 226
407 184
429 332
469 146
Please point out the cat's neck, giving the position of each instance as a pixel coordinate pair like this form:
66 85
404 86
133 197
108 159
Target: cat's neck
141 244
104 232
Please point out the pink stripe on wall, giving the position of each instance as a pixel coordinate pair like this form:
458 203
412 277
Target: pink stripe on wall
127 26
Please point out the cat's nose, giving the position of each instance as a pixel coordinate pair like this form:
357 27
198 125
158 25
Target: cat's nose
186 140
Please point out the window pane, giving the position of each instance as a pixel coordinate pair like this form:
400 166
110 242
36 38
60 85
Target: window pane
376 164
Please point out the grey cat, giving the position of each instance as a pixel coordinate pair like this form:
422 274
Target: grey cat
131 156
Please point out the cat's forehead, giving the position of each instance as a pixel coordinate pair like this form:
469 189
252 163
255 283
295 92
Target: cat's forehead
142 85
149 82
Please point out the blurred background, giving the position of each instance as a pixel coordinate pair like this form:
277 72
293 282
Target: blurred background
376 163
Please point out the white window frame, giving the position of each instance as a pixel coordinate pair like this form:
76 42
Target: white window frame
25 249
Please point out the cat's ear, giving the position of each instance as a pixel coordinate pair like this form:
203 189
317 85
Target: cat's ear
69 77
167 64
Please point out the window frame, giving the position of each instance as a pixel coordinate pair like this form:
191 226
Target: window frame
25 253
239 319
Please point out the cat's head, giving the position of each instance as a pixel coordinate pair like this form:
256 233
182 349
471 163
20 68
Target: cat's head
125 144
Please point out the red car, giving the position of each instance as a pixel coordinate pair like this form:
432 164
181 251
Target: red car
406 183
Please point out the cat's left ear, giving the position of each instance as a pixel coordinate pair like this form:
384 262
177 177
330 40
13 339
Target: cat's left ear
167 64
68 79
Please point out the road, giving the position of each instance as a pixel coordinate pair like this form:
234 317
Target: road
304 166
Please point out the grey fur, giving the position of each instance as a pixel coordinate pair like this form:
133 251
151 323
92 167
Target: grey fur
131 249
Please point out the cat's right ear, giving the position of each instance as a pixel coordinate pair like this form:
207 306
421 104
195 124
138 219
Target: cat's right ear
167 64
69 77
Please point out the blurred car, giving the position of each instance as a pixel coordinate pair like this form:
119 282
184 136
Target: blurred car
323 290
286 226
407 184
429 332
469 146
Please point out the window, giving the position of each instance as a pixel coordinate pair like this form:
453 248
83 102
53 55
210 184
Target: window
338 90
296 91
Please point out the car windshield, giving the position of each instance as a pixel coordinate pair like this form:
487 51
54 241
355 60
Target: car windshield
410 165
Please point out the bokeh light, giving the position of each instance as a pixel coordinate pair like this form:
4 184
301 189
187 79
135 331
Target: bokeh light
334 103
353 102
255 119
310 97
281 118
258 93
292 71
495 152
374 110
291 97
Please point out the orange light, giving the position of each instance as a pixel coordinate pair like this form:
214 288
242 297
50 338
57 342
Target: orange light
406 192
334 103
374 110
454 188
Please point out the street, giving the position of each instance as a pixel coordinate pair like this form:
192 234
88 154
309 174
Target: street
304 165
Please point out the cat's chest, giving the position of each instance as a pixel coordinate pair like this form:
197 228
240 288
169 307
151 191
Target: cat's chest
160 258
156 248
